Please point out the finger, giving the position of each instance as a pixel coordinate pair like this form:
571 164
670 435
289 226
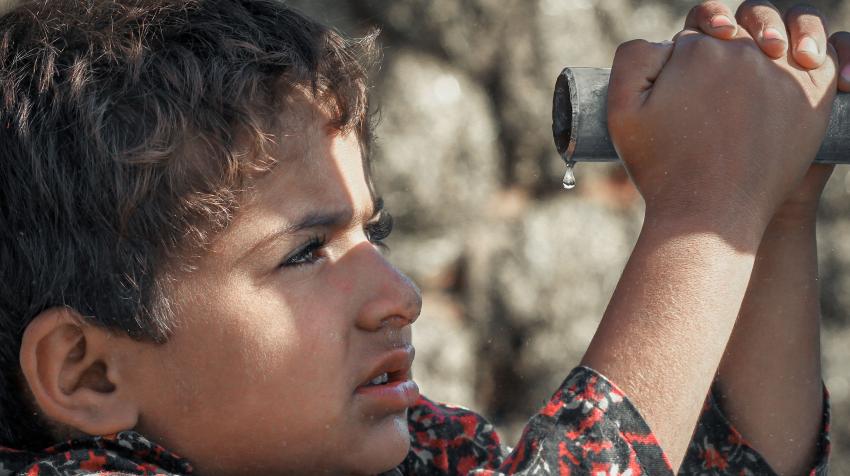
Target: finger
828 72
686 31
712 18
764 23
637 64
807 30
841 42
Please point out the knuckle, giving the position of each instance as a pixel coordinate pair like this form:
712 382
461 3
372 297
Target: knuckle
631 47
801 11
708 50
806 19
758 12
757 7
714 6
707 9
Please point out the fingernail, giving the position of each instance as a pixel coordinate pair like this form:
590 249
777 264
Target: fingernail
771 33
845 73
720 21
808 45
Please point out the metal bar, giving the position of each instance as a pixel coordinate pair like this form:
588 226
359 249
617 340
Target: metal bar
580 125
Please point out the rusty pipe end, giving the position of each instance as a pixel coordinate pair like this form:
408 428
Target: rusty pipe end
564 114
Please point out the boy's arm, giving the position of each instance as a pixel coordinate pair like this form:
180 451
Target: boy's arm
769 381
696 138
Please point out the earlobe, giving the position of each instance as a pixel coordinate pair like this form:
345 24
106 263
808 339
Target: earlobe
73 374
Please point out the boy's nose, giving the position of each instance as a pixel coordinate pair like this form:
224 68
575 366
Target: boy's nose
391 298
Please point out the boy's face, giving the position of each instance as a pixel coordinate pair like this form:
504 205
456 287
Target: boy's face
283 323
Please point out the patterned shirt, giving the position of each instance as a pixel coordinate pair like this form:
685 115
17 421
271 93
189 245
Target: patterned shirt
588 428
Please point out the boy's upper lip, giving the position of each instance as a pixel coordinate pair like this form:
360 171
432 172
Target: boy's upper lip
395 363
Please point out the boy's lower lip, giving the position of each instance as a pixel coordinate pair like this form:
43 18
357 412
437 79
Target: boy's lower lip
391 397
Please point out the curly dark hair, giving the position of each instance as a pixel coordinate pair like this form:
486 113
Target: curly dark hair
130 129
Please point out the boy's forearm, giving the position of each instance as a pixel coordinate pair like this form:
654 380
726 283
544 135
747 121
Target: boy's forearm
668 322
770 378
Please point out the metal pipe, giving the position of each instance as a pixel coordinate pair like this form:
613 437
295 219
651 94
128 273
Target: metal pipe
580 124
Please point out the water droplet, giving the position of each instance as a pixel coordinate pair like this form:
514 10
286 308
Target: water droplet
569 177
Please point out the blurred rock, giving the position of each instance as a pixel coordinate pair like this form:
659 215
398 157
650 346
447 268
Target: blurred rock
437 154
548 279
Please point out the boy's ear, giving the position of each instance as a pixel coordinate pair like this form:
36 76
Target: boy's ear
74 372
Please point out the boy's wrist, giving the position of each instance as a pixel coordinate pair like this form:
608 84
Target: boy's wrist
742 225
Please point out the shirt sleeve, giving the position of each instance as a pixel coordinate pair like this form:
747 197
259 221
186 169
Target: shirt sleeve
588 427
717 448
449 440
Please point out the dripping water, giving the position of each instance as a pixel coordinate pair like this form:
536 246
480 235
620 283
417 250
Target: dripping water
569 177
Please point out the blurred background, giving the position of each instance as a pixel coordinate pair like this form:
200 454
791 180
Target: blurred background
515 271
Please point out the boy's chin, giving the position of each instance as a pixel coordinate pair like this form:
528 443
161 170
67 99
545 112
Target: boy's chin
384 446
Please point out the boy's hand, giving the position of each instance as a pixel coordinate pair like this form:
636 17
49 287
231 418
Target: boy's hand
807 30
714 134
716 127
803 24
775 343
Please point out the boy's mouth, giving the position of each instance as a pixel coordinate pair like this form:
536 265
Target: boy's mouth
394 367
389 386
379 380
387 377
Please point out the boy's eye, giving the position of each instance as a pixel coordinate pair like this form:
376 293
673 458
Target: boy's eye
306 254
379 229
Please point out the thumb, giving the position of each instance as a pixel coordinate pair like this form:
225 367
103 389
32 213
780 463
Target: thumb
637 64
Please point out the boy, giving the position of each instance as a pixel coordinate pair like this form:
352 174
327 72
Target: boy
192 246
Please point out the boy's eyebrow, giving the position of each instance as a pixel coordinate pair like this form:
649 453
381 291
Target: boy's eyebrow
318 219
332 219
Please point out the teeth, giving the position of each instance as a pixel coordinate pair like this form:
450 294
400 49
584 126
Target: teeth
380 380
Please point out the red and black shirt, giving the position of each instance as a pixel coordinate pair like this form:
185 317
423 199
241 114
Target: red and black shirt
588 428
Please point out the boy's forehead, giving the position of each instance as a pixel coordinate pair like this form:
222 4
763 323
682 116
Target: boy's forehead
305 138
314 163
318 172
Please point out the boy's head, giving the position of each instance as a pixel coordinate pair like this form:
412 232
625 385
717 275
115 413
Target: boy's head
188 237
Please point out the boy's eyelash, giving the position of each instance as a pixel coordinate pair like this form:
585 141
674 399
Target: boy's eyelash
380 229
376 231
305 255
